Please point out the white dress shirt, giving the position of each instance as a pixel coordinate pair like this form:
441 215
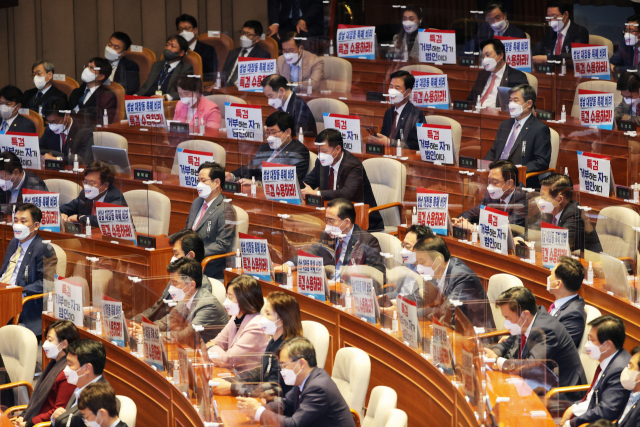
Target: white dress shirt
345 244
25 247
8 122
399 111
564 36
16 190
559 303
285 104
501 360
490 102
77 391
443 279
114 66
581 407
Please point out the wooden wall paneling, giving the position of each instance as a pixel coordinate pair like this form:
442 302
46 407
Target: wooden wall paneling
25 43
4 41
152 35
202 16
58 41
128 18
86 34
226 19
106 25
11 46
189 7
173 11
214 15
38 28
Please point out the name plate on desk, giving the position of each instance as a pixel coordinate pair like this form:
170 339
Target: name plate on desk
375 149
623 192
146 241
179 127
467 61
314 201
462 105
460 233
335 297
545 68
142 174
53 164
522 251
279 277
546 115
626 126
468 162
74 227
232 187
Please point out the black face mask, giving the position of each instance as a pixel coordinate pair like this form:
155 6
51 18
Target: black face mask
170 55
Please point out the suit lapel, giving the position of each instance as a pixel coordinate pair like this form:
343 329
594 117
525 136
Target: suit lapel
523 133
26 259
355 237
505 76
403 117
10 251
210 211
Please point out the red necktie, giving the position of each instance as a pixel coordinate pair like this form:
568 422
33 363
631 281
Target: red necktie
392 135
554 221
552 307
595 378
64 142
331 179
523 340
559 44
202 212
489 89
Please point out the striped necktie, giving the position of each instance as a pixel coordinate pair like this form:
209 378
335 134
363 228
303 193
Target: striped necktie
12 265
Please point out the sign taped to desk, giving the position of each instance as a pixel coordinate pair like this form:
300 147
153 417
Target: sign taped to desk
364 297
436 144
256 260
349 128
595 173
152 344
280 183
437 46
408 317
494 229
189 161
433 210
24 145
596 109
68 300
555 243
591 60
518 52
311 276
113 320
144 111
356 41
49 204
251 72
115 221
430 90
243 121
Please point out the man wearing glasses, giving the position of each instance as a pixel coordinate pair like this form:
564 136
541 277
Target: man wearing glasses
92 97
249 38
63 139
187 27
560 34
628 55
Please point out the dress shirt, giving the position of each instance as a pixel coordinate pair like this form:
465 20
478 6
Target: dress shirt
45 89
172 66
91 91
115 423
77 391
559 303
296 69
114 66
581 407
443 279
25 246
633 398
261 409
521 122
336 167
399 112
345 244
192 46
8 122
501 360
15 191
557 217
285 104
493 95
188 304
66 132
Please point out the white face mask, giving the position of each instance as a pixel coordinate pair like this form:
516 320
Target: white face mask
187 35
72 376
274 142
513 328
410 26
88 76
630 39
91 192
275 102
423 270
6 185
495 192
499 26
94 423
593 350
56 128
545 206
631 101
21 231
333 230
204 190
395 96
269 327
110 54
232 307
556 25
291 58
326 159
245 41
189 100
176 293
628 378
289 375
40 81
515 109
50 349
408 257
489 64
6 112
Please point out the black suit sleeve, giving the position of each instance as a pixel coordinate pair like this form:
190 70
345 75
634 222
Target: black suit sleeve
274 11
610 404
352 183
412 138
314 11
313 178
574 323
133 78
541 156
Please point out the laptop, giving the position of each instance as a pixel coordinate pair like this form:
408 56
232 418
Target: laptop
118 158
503 97
615 275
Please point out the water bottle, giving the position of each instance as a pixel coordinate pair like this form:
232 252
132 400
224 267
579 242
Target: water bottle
301 135
202 127
76 166
399 148
176 372
105 118
253 186
474 234
50 303
563 69
238 260
331 48
590 274
394 322
87 231
563 114
414 216
347 299
98 324
309 88
218 80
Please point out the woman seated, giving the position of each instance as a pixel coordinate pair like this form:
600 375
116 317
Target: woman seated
52 390
241 342
193 104
281 321
407 38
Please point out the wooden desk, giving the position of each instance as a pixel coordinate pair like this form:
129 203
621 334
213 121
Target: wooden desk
10 302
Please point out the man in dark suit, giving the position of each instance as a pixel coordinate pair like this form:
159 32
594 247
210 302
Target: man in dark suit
91 99
280 97
282 147
13 178
495 73
568 307
496 24
211 218
35 98
535 336
302 16
631 415
399 121
523 139
10 103
98 187
314 402
339 174
627 55
559 208
27 261
63 138
187 27
98 403
629 108
249 38
124 71
163 76
560 34
607 397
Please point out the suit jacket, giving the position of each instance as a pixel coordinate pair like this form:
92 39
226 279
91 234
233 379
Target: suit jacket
216 229
72 411
209 60
573 318
352 184
156 69
537 151
293 154
624 109
302 115
80 205
632 419
29 97
582 234
516 207
312 13
319 404
485 32
312 67
207 111
128 75
31 182
609 398
575 34
93 108
79 141
623 58
548 340
510 78
20 124
409 116
230 63
234 344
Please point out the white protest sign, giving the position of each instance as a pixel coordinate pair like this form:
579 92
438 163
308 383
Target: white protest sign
590 60
152 346
256 261
436 144
437 46
430 90
252 71
364 298
441 347
243 121
349 128
49 204
433 209
494 229
68 300
115 221
280 183
555 243
144 111
311 275
189 161
112 316
596 108
594 172
518 52
24 145
408 316
467 374
356 41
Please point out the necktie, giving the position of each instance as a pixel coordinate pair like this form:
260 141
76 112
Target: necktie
298 398
12 265
295 10
552 307
202 212
331 179
38 96
554 221
489 89
509 146
392 135
4 126
595 379
523 341
338 254
233 76
84 96
558 50
63 137
243 53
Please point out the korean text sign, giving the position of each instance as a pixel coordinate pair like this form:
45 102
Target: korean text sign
24 145
115 221
433 209
518 52
441 346
112 317
144 111
243 121
596 108
437 46
408 317
311 275
256 261
252 71
430 90
152 345
356 41
68 300
349 128
189 161
436 144
49 204
590 60
494 229
595 173
280 183
364 299
555 243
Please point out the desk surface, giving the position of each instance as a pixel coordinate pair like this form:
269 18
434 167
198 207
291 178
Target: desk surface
10 302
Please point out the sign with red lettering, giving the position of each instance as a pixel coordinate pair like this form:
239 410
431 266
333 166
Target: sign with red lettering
364 297
113 320
408 317
251 72
243 121
152 345
115 221
595 173
256 261
436 144
144 111
441 346
494 229
311 277
591 60
596 109
280 183
349 128
189 161
356 41
437 46
555 243
518 52
68 300
49 204
433 210
430 90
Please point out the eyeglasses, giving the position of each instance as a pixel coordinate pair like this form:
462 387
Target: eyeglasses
250 35
283 365
494 182
331 220
91 183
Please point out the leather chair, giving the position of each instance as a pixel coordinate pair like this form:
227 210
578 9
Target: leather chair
118 90
456 131
597 85
555 148
61 257
388 179
68 190
150 211
270 45
319 106
144 59
169 109
219 153
391 245
615 231
382 400
19 348
498 283
351 372
128 410
37 121
221 99
318 334
532 80
395 418
312 161
338 74
217 289
110 139
242 226
67 86
222 44
603 41
422 68
588 363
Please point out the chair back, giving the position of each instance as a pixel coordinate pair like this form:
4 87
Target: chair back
498 283
318 334
615 229
68 190
128 410
351 372
382 399
219 154
217 289
400 275
242 220
270 45
35 118
19 349
597 85
144 59
118 90
390 244
222 44
588 364
395 418
195 60
388 179
61 260
422 68
169 109
555 148
150 211
67 85
110 139
456 131
319 106
602 41
533 81
338 74
221 99
312 161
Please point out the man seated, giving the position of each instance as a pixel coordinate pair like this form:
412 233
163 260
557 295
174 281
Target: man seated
339 174
63 138
281 97
629 380
607 397
562 32
124 71
249 38
414 234
559 208
523 126
629 87
99 406
504 193
535 335
626 57
495 73
44 90
315 401
10 103
196 305
187 27
164 74
299 66
92 98
399 121
496 24
568 307
98 187
213 222
281 147
13 179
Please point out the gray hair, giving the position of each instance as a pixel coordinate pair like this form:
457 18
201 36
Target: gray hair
48 66
528 93
300 348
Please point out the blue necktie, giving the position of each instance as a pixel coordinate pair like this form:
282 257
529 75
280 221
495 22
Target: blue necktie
84 96
295 9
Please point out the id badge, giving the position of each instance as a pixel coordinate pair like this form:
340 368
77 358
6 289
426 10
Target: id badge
159 91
